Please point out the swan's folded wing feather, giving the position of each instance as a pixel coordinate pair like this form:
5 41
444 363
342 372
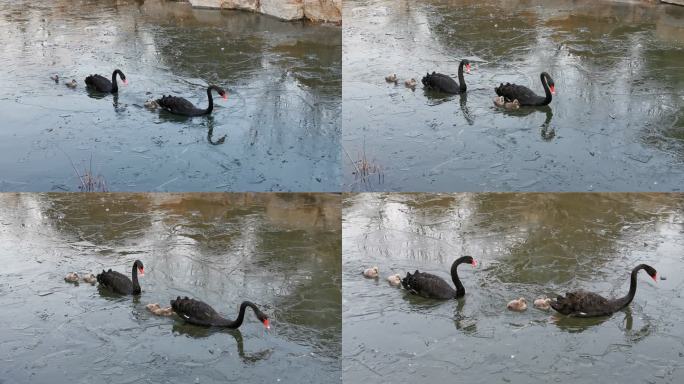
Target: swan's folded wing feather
514 91
582 304
441 82
175 104
194 311
428 285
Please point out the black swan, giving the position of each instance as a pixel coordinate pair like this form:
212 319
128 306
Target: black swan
101 84
181 106
588 304
434 287
526 96
120 283
446 84
200 313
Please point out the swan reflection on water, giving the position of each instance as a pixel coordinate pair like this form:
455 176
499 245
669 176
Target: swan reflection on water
196 332
113 296
210 133
577 324
547 131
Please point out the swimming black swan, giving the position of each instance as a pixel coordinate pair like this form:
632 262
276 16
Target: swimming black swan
181 106
120 283
446 84
434 287
200 313
526 96
101 84
589 304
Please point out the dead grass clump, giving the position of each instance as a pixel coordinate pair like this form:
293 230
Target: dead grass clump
89 181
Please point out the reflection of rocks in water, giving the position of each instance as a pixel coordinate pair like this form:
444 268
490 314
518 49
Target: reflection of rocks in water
669 25
99 218
547 224
304 211
197 332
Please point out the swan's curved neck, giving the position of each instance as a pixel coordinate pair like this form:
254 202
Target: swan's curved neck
134 277
115 86
211 101
241 316
547 91
460 290
461 80
625 301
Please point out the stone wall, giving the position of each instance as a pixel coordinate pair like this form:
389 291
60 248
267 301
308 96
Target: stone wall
316 10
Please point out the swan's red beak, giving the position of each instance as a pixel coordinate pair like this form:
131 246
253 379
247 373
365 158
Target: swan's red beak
474 263
267 324
141 272
225 96
553 89
467 68
125 82
655 277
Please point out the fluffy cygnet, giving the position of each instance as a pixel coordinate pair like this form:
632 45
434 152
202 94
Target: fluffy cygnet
371 272
518 305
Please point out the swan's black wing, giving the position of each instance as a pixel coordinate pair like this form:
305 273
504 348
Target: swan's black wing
195 311
179 106
582 304
99 83
523 94
116 282
428 285
440 82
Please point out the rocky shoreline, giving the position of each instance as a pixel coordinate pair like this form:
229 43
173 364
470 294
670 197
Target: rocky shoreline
314 10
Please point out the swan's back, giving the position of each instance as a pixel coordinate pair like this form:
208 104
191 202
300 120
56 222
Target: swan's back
524 95
428 285
440 82
584 304
195 311
179 106
116 282
98 82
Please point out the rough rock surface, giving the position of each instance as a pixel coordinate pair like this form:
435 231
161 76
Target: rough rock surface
316 10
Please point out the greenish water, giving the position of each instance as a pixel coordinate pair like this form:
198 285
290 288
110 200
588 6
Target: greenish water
527 245
616 122
280 251
280 125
